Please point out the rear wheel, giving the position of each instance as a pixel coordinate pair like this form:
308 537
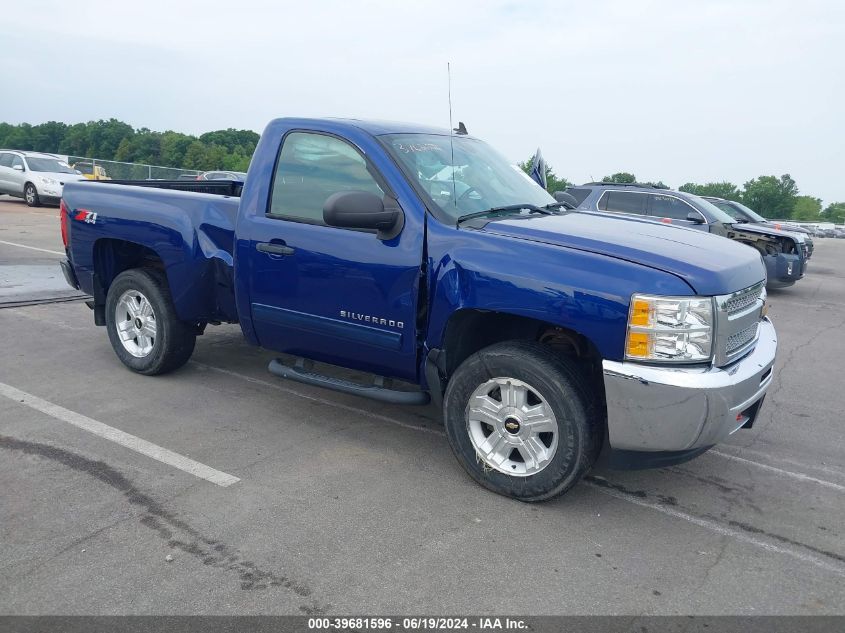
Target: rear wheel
30 194
522 421
143 328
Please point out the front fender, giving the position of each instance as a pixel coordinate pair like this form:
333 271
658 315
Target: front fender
585 292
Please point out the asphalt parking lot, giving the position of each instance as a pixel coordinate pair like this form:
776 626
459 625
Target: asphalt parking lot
295 500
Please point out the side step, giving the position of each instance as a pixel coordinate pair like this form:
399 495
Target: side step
302 372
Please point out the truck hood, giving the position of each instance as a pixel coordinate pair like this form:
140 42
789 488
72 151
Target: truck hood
710 264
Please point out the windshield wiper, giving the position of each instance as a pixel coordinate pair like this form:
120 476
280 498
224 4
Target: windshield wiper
547 210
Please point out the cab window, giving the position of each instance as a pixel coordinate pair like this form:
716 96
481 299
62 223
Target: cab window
579 194
310 168
663 206
623 202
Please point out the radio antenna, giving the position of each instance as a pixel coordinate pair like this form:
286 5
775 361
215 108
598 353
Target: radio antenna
451 134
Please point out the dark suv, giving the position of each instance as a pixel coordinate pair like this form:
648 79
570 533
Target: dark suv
784 253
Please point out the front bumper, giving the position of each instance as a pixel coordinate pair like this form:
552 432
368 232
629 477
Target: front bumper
684 409
783 270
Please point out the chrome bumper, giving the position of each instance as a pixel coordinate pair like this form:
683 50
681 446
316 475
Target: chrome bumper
683 408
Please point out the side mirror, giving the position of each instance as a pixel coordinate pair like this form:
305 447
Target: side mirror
364 210
17 167
566 198
695 217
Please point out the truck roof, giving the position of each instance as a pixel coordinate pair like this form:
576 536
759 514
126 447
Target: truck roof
376 128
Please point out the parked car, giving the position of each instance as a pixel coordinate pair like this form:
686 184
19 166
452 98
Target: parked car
35 177
543 335
222 175
783 252
91 171
743 215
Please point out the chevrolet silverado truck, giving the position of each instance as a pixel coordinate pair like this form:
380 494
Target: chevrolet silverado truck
547 338
784 253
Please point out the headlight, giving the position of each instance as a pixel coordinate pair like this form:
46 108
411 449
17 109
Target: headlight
48 181
670 329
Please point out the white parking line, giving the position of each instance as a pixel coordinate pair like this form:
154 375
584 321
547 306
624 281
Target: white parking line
781 471
119 437
721 529
32 248
737 451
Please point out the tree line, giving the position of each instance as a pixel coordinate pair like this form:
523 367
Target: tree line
115 140
770 196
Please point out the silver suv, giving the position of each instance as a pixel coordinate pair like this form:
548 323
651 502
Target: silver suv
35 177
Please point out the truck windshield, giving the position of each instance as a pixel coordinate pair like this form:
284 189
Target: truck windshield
478 178
49 164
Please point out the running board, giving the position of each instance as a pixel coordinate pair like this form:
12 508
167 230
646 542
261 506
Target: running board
303 372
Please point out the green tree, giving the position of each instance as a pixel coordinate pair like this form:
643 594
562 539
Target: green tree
724 189
806 208
834 212
115 140
47 136
621 177
770 196
553 181
195 156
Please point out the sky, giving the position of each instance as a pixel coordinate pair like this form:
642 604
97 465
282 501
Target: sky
676 90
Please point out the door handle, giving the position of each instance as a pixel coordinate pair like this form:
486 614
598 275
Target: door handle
274 249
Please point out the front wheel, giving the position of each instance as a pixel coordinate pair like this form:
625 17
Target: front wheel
30 194
143 328
522 420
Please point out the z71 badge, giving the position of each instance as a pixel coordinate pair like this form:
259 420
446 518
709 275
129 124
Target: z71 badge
89 217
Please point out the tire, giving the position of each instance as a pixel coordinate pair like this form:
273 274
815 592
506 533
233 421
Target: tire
551 383
30 195
162 342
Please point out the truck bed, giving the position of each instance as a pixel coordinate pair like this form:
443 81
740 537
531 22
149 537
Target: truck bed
189 234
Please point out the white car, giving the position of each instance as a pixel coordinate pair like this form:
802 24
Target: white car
34 176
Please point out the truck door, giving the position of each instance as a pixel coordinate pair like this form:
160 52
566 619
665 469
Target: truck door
332 294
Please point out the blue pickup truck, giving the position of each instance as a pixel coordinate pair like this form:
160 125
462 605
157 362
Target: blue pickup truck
547 338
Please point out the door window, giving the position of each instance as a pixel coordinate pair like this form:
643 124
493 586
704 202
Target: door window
670 207
5 160
312 167
623 202
17 160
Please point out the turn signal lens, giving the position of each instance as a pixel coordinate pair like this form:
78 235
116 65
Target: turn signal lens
640 312
638 345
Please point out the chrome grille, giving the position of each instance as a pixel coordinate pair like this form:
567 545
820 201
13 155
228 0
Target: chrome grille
743 300
738 318
740 339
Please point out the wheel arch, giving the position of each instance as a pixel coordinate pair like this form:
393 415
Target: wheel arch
112 256
469 330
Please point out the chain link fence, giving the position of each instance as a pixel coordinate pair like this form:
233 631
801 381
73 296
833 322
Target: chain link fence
116 170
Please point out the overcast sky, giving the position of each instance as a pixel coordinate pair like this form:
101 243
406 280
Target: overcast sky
679 91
